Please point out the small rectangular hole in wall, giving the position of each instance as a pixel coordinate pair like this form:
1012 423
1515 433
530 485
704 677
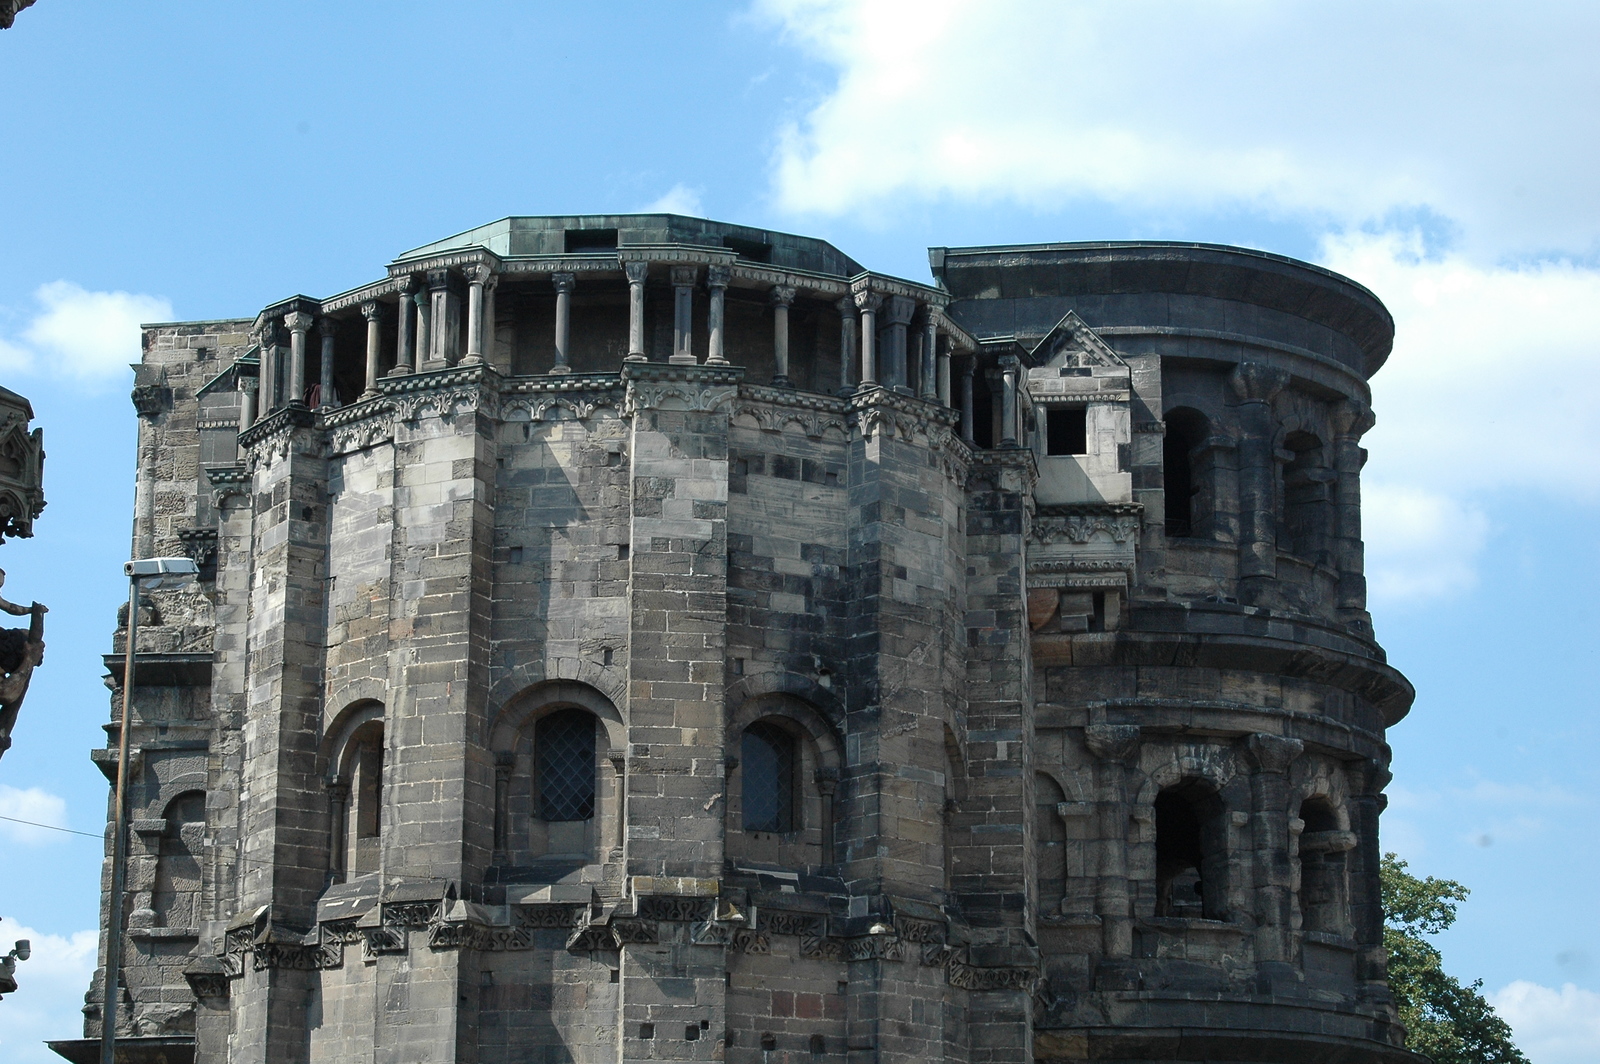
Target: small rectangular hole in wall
605 656
691 1033
647 1030
738 666
705 1025
580 240
1066 430
616 975
516 555
1097 623
751 250
622 552
769 1041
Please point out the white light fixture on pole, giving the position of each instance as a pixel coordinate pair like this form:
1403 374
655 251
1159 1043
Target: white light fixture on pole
153 573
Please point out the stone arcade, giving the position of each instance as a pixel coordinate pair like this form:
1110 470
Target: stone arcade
641 638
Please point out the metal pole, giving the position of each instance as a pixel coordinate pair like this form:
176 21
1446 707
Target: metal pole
119 843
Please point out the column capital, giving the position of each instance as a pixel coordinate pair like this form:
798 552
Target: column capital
297 321
327 326
899 309
636 272
782 295
1257 382
564 283
1352 419
407 285
477 273
1272 753
718 276
867 301
371 310
684 276
846 305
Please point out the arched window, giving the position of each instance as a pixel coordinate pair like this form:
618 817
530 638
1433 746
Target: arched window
564 744
364 764
1186 430
1050 844
1307 498
768 759
1191 853
1324 884
177 886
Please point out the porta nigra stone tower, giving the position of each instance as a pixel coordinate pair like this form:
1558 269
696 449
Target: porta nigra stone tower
628 638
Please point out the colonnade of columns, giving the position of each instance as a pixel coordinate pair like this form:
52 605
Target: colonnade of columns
892 341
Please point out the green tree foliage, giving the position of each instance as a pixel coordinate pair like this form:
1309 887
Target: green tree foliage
1445 1020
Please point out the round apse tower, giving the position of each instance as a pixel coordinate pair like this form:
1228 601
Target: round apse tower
1210 703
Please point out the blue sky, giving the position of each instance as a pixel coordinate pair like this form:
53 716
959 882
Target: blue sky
201 160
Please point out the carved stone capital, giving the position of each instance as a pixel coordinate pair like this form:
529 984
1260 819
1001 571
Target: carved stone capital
899 309
782 295
868 302
477 273
564 283
1272 753
407 285
718 276
846 306
684 276
1257 382
327 326
636 272
371 310
297 321
1111 742
1352 419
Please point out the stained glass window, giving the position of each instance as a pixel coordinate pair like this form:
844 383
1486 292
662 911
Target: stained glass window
565 744
767 760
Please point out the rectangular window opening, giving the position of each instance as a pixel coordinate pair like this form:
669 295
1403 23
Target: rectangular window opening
750 250
1066 430
580 240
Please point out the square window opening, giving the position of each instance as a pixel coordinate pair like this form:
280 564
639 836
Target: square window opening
1066 431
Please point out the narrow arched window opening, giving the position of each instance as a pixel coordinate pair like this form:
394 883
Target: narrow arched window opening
1324 882
1191 853
768 757
366 797
1186 430
564 742
1307 497
1050 844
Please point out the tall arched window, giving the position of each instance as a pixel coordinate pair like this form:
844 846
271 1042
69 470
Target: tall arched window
564 744
365 768
177 886
1050 844
1191 853
767 758
1307 498
1186 430
1324 883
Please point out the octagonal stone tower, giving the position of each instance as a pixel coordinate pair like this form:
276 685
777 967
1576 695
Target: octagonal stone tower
633 638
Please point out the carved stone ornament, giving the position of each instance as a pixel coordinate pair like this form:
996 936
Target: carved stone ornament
21 651
21 467
1272 753
1258 382
1112 742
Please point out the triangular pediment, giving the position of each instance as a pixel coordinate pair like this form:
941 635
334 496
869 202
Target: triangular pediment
1072 344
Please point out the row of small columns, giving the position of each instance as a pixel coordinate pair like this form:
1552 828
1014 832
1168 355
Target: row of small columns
420 306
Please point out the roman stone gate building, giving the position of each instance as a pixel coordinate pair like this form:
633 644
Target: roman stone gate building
641 638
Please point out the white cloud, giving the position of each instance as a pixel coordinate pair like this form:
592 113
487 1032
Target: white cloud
1491 392
48 1003
81 334
1551 1026
1350 112
35 805
679 199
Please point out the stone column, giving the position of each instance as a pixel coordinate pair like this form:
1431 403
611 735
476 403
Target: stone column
683 278
1367 780
1257 384
491 340
247 404
478 275
326 326
1114 745
927 373
564 284
372 311
782 298
717 278
636 273
898 310
268 369
847 344
942 354
967 408
405 332
299 324
444 324
419 299
338 803
1009 367
867 303
1351 420
1271 756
